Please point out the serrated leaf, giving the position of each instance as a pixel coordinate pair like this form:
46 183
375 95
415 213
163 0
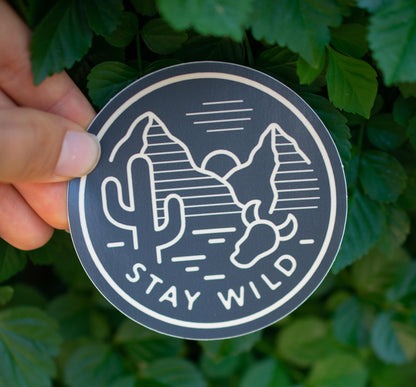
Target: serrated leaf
365 223
307 73
304 341
352 83
12 260
385 133
302 26
62 38
144 345
392 38
406 284
92 365
340 370
391 339
216 18
382 176
220 349
125 31
350 39
404 109
266 373
174 372
107 79
335 122
349 325
376 272
104 17
395 231
279 62
28 342
161 38
6 294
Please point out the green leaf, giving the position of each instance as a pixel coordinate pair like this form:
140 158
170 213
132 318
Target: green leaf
210 48
350 39
220 349
395 231
144 345
59 245
125 32
26 295
340 370
392 340
394 376
304 341
62 38
145 7
214 369
385 133
160 64
411 131
280 63
371 5
12 260
382 176
376 272
408 89
302 26
126 381
161 38
403 110
352 83
307 73
406 284
364 226
6 294
392 38
104 17
28 342
349 325
335 123
71 311
174 372
208 17
107 79
92 365
68 267
266 373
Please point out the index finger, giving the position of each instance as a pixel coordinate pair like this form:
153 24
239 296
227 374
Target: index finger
57 94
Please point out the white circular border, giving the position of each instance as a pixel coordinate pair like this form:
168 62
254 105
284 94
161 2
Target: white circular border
305 279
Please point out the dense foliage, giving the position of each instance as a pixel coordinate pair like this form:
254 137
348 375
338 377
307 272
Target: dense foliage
355 64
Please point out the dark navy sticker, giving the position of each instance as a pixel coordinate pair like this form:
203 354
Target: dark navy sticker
218 205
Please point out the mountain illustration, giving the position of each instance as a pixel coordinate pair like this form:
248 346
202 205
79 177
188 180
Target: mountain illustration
220 211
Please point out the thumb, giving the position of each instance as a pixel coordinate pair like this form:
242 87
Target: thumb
41 147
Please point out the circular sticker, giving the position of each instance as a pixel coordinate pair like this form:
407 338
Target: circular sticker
218 204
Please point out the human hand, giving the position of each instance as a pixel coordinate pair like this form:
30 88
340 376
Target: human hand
42 141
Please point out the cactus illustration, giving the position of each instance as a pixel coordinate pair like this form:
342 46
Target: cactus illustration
150 233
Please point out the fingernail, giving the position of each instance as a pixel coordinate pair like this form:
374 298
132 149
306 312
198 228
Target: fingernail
79 154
